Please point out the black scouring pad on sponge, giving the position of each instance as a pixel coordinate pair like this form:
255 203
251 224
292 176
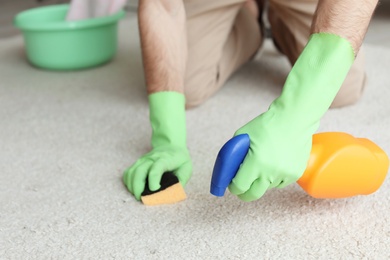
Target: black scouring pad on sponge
171 191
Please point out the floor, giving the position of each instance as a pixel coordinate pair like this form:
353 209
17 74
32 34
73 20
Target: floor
377 33
66 138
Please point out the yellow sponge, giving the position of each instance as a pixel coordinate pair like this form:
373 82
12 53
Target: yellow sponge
171 191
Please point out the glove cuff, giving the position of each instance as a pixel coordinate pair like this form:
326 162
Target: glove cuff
315 79
167 118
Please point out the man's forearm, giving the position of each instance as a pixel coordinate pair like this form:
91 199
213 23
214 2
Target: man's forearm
347 18
162 25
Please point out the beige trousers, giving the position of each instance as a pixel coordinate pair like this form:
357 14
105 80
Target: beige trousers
223 35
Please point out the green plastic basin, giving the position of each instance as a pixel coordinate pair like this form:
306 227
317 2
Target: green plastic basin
53 43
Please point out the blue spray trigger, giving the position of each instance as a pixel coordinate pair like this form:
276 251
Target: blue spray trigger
228 161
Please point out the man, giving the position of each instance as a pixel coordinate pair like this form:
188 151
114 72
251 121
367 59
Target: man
190 48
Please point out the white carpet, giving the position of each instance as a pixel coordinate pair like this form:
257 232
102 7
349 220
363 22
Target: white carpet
66 137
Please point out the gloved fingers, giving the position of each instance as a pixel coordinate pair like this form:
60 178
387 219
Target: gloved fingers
138 178
275 183
128 172
157 170
245 176
184 173
161 166
285 183
124 175
257 190
234 189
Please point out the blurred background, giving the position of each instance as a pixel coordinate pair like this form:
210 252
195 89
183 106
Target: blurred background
378 32
9 8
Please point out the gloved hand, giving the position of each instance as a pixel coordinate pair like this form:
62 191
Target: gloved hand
169 153
281 138
86 9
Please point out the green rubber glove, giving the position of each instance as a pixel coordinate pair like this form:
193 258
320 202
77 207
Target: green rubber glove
169 153
281 138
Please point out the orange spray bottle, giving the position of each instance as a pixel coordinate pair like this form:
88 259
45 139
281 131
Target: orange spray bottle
340 166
